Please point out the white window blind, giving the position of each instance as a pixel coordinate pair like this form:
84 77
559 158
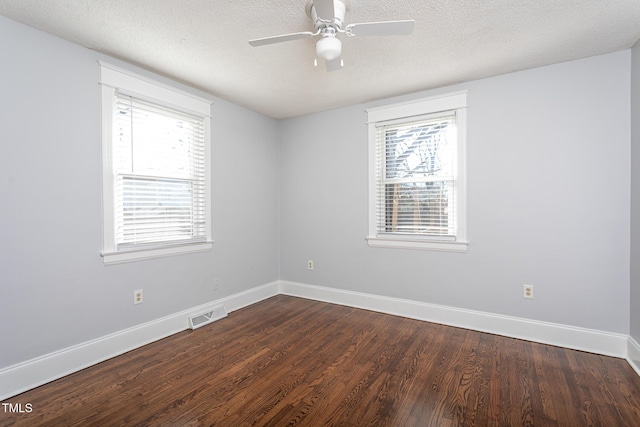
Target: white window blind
416 177
159 170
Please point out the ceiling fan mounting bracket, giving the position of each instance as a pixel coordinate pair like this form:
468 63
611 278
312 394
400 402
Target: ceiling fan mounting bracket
340 8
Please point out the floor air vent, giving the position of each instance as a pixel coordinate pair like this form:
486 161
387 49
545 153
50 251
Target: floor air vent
207 317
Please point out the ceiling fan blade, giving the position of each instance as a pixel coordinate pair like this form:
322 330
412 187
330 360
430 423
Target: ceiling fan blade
386 28
325 10
334 64
281 38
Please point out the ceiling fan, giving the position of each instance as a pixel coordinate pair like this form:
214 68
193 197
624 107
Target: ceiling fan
328 19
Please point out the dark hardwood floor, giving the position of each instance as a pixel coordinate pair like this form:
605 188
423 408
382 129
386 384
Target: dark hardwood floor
290 361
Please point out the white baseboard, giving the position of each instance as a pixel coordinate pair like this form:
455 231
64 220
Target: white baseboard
594 341
633 354
41 370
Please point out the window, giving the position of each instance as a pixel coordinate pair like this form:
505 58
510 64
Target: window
417 184
156 149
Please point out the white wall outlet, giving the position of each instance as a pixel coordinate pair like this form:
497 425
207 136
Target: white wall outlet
527 291
310 264
216 284
137 296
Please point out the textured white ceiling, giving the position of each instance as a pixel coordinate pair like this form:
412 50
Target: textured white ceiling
204 43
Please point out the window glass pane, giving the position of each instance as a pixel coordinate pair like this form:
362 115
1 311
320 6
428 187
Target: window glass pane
156 210
419 207
419 149
156 141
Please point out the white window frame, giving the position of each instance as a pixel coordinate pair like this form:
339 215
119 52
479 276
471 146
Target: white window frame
451 102
112 79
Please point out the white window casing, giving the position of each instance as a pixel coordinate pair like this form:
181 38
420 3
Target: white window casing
417 174
156 152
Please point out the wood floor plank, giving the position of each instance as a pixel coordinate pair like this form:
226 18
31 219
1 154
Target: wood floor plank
290 361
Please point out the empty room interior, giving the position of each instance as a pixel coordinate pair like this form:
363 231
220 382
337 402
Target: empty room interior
320 213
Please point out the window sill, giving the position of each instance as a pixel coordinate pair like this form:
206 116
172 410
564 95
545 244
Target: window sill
141 254
408 243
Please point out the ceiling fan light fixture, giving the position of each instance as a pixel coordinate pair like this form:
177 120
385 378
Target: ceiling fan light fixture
329 48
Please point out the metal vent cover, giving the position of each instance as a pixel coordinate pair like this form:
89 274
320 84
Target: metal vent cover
207 317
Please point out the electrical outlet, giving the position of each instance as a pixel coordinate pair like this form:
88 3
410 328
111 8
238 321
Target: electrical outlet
527 291
137 296
310 264
216 284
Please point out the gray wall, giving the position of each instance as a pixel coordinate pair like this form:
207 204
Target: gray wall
548 184
635 193
55 290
